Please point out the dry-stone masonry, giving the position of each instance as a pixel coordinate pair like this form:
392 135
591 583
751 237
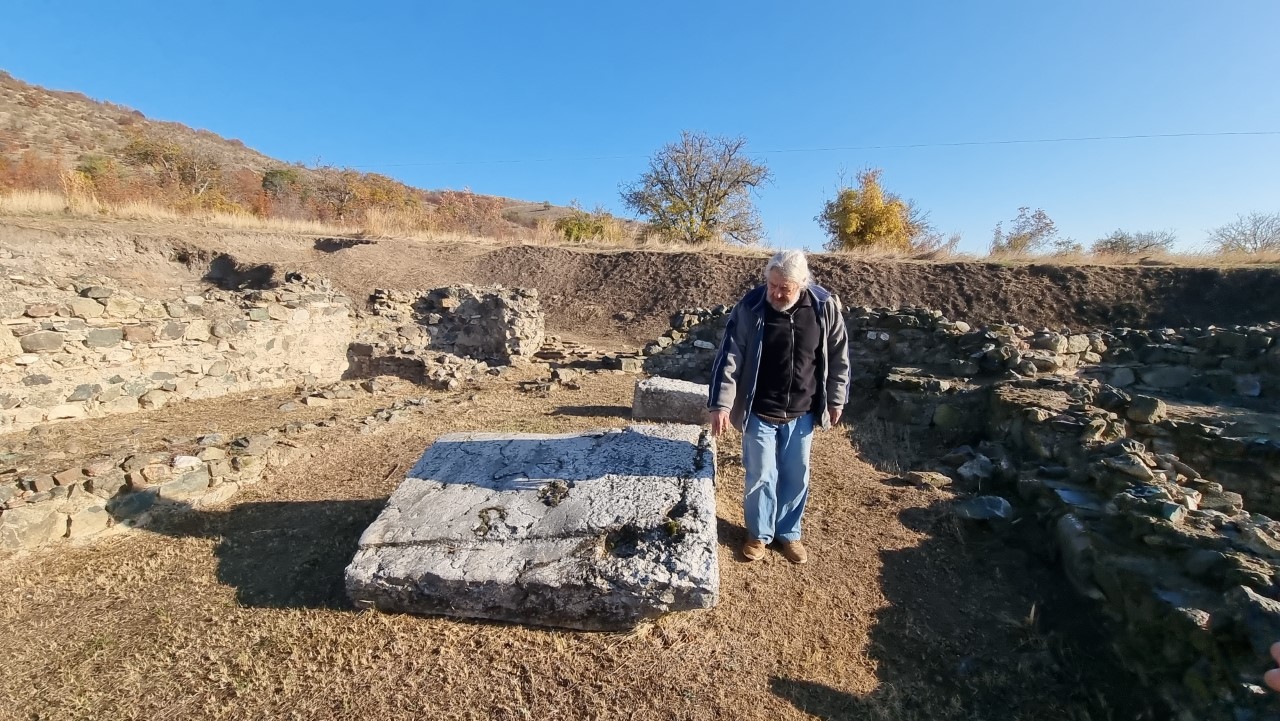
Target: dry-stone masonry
1185 573
669 400
76 350
1147 511
45 500
596 530
488 323
443 336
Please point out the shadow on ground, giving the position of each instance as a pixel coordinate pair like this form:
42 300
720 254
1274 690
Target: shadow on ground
977 627
282 554
229 274
623 412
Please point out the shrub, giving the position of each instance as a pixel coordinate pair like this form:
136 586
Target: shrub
867 216
1028 233
579 225
1122 242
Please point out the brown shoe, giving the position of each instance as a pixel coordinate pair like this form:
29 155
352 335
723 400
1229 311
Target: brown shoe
794 551
753 549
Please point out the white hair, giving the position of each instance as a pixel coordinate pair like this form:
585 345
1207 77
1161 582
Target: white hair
792 264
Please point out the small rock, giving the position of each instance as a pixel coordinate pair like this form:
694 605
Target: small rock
928 479
984 508
186 463
1130 465
97 292
1146 409
977 469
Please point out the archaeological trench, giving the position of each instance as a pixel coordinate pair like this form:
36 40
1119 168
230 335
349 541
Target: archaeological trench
1149 459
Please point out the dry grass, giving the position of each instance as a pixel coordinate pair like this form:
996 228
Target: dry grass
238 612
1193 259
378 224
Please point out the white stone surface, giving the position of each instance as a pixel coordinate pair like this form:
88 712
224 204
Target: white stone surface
669 400
596 530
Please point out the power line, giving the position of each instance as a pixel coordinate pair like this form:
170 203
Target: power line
843 148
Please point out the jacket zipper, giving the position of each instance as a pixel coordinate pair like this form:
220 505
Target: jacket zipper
791 362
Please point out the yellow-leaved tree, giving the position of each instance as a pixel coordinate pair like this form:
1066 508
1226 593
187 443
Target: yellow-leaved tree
867 216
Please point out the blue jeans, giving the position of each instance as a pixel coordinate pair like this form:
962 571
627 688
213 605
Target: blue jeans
776 458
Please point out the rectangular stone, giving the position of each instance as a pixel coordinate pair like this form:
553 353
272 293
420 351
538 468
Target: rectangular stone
669 400
31 526
596 530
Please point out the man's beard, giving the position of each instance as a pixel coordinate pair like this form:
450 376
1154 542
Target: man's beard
783 308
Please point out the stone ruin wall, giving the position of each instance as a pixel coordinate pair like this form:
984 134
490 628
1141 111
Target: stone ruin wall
924 370
1147 515
47 499
435 337
84 350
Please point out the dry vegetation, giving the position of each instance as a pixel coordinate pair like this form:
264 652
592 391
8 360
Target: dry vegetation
238 612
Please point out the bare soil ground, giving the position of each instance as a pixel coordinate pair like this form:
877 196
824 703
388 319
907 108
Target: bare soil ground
238 612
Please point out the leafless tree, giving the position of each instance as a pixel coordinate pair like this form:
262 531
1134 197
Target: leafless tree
1252 233
698 190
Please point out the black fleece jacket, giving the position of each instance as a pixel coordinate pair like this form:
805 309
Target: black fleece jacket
788 380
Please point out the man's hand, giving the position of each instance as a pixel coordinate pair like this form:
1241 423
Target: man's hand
835 412
719 422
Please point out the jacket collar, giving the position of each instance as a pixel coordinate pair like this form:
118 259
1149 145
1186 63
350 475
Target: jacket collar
759 296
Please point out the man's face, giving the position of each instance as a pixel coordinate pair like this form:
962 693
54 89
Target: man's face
783 293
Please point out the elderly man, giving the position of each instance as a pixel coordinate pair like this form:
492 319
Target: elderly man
783 368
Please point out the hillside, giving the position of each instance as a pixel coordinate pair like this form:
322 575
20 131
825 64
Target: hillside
122 156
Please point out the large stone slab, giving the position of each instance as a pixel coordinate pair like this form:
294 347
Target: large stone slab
670 400
596 530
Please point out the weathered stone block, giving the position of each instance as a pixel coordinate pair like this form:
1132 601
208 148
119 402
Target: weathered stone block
596 530
88 521
185 487
97 292
85 308
139 333
670 400
154 399
41 310
9 346
30 526
104 337
197 330
1146 409
122 307
67 411
42 342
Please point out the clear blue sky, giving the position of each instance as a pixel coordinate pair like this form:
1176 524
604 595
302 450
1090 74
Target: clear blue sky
407 88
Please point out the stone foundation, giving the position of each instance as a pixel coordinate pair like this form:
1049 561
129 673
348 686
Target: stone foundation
79 350
597 530
46 501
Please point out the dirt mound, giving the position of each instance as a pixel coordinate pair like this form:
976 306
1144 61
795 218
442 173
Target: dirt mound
583 290
654 283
